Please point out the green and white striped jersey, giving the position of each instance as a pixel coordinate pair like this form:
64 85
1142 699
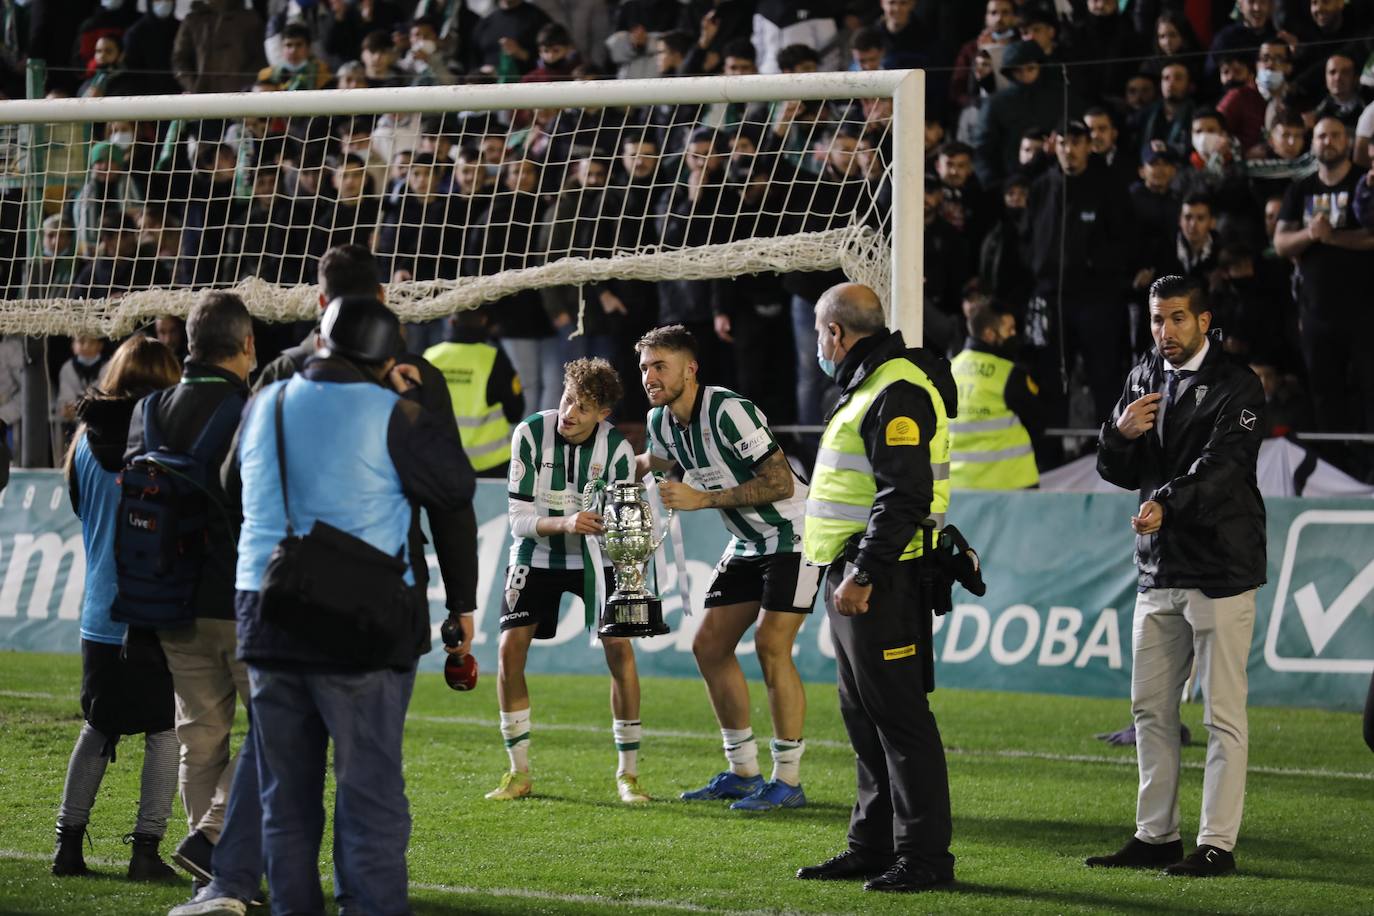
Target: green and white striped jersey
727 438
550 472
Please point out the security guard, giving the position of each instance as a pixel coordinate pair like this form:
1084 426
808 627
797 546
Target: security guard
882 469
990 443
486 393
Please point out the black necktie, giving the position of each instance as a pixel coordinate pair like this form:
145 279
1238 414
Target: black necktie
1172 379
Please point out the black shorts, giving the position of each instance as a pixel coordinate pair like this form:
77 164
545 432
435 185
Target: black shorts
120 697
780 582
533 596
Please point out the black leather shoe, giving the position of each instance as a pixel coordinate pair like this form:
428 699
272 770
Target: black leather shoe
907 875
1139 854
1204 862
193 854
850 865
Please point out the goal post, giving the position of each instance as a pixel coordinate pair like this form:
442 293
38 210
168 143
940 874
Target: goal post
161 197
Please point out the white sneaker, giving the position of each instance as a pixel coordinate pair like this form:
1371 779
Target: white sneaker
210 906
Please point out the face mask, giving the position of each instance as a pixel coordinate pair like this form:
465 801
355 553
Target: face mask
492 170
1207 145
163 8
294 68
124 138
1010 346
112 4
1269 81
426 46
87 360
827 365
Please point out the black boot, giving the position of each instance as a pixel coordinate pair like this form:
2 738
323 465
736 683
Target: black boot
67 859
144 862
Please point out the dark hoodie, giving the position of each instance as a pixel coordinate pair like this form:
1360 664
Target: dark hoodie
107 430
902 473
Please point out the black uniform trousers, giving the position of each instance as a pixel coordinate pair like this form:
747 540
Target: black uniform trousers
903 801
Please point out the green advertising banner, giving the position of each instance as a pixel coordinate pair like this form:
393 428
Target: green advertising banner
1056 618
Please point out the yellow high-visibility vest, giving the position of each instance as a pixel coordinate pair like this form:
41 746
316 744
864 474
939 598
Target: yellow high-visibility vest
989 448
483 426
842 485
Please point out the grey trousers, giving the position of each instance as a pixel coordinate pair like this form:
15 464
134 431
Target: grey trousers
1172 625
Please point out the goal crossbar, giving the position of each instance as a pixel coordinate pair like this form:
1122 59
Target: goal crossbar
895 247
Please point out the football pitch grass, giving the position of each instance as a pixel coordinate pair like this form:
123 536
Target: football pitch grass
1033 794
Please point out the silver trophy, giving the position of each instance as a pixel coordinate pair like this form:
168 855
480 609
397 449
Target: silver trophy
631 610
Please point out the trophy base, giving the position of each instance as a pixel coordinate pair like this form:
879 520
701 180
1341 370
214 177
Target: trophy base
632 618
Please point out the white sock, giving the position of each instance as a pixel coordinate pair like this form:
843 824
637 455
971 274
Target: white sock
515 728
627 733
787 757
741 751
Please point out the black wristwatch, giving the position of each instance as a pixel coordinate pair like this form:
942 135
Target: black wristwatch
861 578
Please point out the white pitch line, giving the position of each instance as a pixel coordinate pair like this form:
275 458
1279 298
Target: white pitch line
595 899
679 906
1129 761
1313 773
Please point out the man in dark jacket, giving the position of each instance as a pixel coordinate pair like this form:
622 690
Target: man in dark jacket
1031 101
1186 433
206 674
357 455
1078 213
892 426
345 270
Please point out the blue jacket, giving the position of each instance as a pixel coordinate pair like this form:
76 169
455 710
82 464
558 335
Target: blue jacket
357 454
98 508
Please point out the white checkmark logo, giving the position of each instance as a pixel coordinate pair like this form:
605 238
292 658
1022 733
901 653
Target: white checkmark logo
1322 623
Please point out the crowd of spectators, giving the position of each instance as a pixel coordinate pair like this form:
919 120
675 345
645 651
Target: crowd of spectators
1076 150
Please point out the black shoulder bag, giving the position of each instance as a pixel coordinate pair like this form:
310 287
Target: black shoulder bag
332 589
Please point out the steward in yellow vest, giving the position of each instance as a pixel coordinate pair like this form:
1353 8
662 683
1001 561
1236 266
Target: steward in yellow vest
990 443
882 470
485 390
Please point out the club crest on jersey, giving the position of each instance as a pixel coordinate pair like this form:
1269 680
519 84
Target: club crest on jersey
595 470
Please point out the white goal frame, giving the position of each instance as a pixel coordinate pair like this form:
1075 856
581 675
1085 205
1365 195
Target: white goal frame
906 89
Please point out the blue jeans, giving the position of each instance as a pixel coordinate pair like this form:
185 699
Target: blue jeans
584 345
811 382
237 860
297 714
537 362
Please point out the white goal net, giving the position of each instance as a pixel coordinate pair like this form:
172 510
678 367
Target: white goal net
123 209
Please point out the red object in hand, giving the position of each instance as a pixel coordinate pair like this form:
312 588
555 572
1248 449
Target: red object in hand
461 673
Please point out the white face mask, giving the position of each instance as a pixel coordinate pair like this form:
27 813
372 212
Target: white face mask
426 46
124 138
112 4
162 9
87 360
1269 81
1207 145
22 3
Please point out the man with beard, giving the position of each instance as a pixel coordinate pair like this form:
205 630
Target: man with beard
1186 433
1317 228
732 463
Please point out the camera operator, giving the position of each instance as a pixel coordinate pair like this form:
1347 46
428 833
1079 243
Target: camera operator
371 450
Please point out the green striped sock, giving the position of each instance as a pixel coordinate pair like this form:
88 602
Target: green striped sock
627 734
515 729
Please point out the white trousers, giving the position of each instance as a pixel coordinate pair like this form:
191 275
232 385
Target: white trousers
1171 626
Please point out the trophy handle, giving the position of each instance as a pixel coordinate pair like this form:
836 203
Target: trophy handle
667 517
591 494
